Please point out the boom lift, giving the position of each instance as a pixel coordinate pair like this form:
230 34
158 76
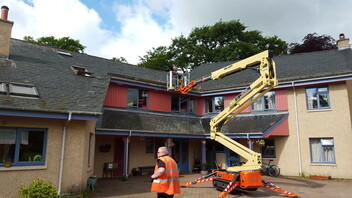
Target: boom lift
246 176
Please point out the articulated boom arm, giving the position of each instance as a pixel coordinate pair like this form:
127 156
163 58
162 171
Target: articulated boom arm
257 89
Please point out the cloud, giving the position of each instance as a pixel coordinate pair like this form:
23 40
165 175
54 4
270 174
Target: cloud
144 24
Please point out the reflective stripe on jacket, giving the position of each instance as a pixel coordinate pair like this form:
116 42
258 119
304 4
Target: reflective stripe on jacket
168 182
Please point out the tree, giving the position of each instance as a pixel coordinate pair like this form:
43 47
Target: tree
120 60
63 43
313 42
224 41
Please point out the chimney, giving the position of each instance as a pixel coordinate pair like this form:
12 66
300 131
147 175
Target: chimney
5 33
343 43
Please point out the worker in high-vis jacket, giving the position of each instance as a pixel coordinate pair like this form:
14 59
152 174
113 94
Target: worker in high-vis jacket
166 177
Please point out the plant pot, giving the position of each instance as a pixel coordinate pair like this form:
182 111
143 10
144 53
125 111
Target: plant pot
7 164
320 177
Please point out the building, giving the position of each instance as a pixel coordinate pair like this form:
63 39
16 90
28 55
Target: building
63 115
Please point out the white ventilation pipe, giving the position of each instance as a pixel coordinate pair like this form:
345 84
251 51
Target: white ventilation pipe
297 130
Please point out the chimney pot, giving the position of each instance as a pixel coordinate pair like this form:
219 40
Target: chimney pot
4 12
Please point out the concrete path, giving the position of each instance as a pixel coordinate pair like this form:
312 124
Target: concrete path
139 187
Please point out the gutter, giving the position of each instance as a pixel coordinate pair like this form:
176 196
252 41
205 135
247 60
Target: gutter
63 142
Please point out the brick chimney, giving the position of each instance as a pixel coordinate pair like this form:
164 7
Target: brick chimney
5 33
343 43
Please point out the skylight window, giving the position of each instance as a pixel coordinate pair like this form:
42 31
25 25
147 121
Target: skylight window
16 89
81 71
3 89
63 53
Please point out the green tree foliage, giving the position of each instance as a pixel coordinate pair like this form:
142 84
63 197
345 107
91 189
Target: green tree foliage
62 43
120 60
224 41
313 42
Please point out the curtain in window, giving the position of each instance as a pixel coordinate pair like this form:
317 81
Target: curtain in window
271 100
7 136
329 154
316 151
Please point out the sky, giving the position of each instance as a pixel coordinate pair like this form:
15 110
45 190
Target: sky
130 28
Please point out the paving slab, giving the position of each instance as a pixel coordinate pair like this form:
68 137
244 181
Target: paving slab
139 187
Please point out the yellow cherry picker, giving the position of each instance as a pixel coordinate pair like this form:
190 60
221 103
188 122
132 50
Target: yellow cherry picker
247 176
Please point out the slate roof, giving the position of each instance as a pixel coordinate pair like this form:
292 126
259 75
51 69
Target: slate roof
293 67
147 122
60 89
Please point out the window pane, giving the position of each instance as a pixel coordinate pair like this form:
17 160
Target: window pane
312 102
7 144
269 100
184 104
22 89
268 150
143 99
175 103
219 103
32 143
192 105
323 100
132 97
208 105
257 105
315 149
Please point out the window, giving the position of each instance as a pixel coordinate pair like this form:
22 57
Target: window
268 150
22 147
18 89
3 89
317 98
322 150
215 104
137 98
149 145
266 102
183 104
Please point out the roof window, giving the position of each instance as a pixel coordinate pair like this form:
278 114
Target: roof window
81 71
3 89
63 53
17 89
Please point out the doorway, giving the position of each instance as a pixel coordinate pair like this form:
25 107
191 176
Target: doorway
119 152
180 154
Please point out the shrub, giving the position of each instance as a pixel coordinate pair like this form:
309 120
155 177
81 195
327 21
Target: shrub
39 189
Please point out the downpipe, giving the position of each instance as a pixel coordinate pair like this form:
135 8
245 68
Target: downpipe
63 143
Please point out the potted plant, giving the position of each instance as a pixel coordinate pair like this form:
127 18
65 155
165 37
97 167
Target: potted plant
204 170
7 164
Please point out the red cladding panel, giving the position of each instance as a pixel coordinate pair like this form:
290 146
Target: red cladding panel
116 96
200 106
281 100
159 101
281 130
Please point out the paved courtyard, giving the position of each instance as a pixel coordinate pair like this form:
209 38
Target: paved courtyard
139 187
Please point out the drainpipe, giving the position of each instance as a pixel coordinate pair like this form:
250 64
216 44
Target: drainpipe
63 150
250 142
126 158
297 130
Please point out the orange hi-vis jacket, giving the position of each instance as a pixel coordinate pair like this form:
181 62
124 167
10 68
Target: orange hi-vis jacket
168 182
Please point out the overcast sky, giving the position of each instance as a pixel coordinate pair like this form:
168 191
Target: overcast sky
129 28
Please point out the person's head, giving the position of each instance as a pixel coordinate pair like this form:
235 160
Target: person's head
174 68
162 151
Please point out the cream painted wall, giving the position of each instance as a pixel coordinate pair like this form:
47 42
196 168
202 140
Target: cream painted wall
335 122
76 155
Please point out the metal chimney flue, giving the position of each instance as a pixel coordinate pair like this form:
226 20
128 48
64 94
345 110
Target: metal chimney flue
4 12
